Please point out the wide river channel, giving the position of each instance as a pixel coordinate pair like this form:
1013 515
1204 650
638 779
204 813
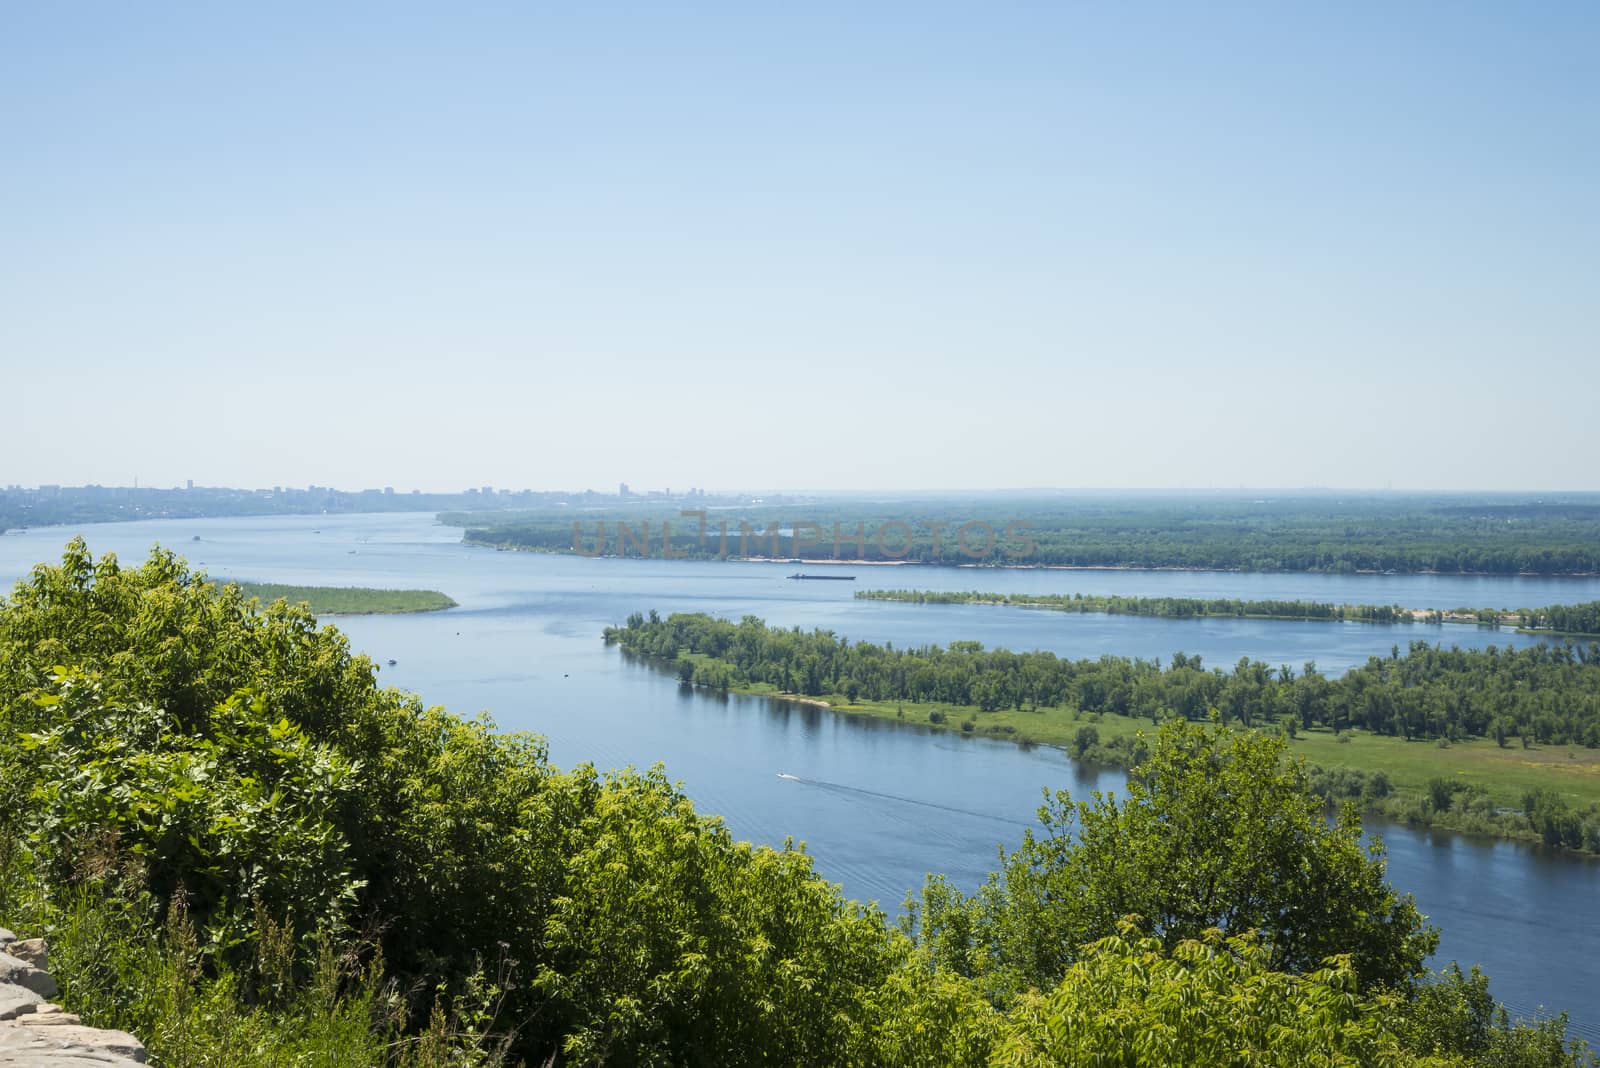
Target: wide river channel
878 804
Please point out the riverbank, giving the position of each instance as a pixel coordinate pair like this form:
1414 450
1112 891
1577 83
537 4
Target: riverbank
350 600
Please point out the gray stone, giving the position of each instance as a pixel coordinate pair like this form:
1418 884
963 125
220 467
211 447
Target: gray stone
22 973
41 1018
16 1000
35 1033
29 1048
36 951
76 1036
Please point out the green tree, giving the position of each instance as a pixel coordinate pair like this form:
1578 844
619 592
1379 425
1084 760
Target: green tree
1219 829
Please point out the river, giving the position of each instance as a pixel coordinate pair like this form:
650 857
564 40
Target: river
878 804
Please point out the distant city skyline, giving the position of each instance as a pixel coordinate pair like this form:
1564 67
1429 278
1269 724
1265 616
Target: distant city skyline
896 247
694 492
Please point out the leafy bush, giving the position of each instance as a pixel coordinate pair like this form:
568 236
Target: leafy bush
1211 1000
168 737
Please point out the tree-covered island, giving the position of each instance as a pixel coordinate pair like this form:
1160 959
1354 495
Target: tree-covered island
1496 741
1574 620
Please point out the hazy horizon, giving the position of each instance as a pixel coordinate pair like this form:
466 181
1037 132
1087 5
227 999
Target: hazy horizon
1233 245
640 493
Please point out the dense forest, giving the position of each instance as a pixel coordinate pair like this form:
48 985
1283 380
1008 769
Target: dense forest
247 852
1376 533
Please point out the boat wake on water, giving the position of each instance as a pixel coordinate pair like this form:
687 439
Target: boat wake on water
840 788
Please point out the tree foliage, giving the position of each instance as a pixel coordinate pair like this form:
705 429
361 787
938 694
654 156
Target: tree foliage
1218 830
1209 1000
237 836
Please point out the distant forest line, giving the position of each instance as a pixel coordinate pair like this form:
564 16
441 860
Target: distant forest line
1579 620
1444 533
1366 534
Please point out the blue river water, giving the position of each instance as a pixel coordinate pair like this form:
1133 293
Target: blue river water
878 804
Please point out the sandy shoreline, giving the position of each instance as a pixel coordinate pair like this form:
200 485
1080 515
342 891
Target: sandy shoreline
798 699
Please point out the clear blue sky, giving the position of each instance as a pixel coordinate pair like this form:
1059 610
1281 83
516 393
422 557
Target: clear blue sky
821 246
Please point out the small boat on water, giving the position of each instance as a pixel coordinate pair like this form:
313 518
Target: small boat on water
833 578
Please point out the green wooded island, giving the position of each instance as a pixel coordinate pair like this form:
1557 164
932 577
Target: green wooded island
1574 620
1499 741
349 600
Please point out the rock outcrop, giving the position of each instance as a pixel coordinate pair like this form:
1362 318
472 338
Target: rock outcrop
36 1033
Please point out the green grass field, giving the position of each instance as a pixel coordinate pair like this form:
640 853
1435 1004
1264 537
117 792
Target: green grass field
349 600
1505 774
